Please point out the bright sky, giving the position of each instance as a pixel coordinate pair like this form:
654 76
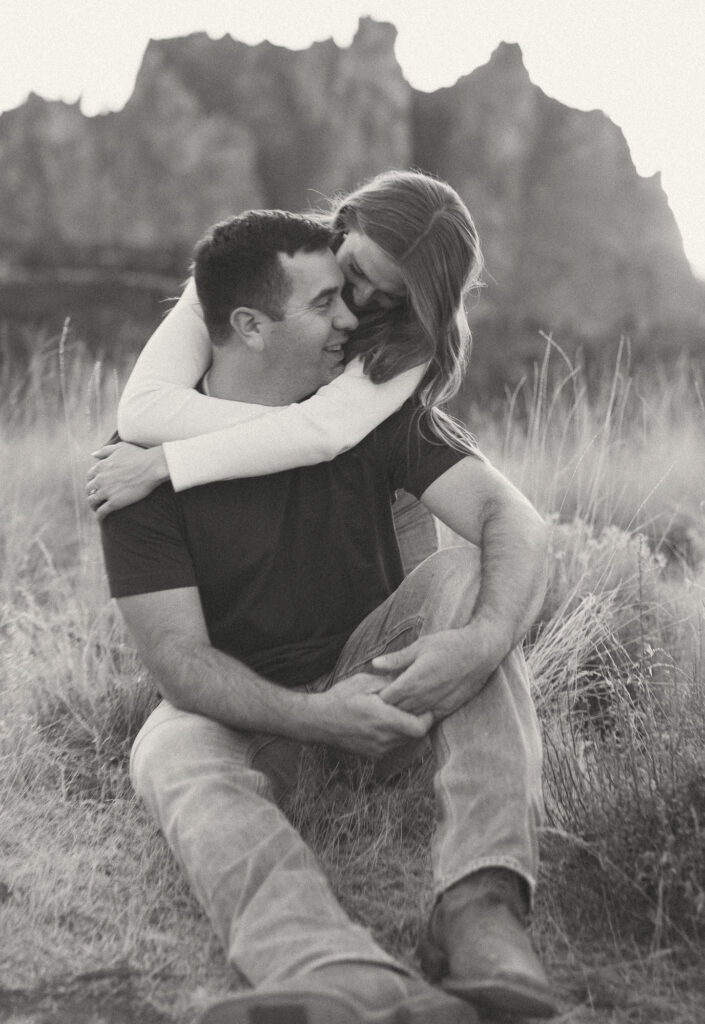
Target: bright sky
641 61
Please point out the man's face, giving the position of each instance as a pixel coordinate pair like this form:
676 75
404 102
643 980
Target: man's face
306 347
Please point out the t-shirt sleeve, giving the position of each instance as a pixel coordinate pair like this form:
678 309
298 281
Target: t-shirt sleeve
144 547
416 457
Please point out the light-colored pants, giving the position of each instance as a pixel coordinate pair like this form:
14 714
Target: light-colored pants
213 792
416 530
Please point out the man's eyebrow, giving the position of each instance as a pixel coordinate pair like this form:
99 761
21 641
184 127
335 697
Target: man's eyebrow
325 293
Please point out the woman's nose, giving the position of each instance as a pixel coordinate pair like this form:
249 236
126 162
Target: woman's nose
362 294
345 319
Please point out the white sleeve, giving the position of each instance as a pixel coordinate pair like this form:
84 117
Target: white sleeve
336 418
207 439
159 402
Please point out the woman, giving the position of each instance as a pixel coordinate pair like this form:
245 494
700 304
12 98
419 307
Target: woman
409 250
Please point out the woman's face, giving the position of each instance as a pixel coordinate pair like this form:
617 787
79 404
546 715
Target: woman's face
374 278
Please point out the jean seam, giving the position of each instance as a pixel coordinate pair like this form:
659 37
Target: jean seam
415 622
258 743
444 805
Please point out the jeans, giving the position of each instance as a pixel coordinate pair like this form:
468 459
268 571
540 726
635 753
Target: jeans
213 792
416 530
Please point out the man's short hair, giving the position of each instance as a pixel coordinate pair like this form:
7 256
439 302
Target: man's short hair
237 264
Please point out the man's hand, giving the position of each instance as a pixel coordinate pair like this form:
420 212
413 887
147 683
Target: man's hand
124 473
438 673
353 716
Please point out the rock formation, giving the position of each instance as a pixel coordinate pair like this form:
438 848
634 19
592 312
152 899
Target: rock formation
573 236
576 242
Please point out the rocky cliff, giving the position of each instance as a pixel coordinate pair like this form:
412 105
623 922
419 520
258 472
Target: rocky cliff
576 241
573 236
212 127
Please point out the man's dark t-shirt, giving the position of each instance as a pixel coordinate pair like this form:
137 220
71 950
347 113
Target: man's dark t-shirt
287 565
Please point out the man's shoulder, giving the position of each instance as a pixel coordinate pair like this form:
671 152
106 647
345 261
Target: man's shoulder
159 508
410 430
160 501
145 547
404 421
414 452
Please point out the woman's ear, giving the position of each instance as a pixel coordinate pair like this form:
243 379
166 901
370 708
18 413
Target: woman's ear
248 325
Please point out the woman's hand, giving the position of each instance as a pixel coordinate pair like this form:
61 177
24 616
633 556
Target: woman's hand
123 474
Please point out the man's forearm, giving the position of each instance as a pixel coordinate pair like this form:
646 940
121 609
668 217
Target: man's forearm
443 670
482 506
208 682
513 576
171 635
351 715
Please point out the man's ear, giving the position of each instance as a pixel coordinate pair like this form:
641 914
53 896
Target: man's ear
249 325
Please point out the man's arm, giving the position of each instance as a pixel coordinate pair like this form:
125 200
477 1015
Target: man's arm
442 671
477 502
170 633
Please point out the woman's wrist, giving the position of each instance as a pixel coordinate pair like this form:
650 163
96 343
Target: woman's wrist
158 468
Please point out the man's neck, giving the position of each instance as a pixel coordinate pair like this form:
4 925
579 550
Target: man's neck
244 380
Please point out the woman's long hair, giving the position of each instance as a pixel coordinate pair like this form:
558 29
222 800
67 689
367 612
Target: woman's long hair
423 225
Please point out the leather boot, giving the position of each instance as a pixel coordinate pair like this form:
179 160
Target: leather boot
346 993
477 946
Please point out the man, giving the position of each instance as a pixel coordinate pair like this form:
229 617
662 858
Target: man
272 612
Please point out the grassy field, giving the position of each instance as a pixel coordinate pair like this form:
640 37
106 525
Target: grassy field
95 922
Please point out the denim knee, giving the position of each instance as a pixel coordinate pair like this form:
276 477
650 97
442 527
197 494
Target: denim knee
164 743
150 747
449 573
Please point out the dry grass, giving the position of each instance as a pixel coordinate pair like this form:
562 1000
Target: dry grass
627 453
95 922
